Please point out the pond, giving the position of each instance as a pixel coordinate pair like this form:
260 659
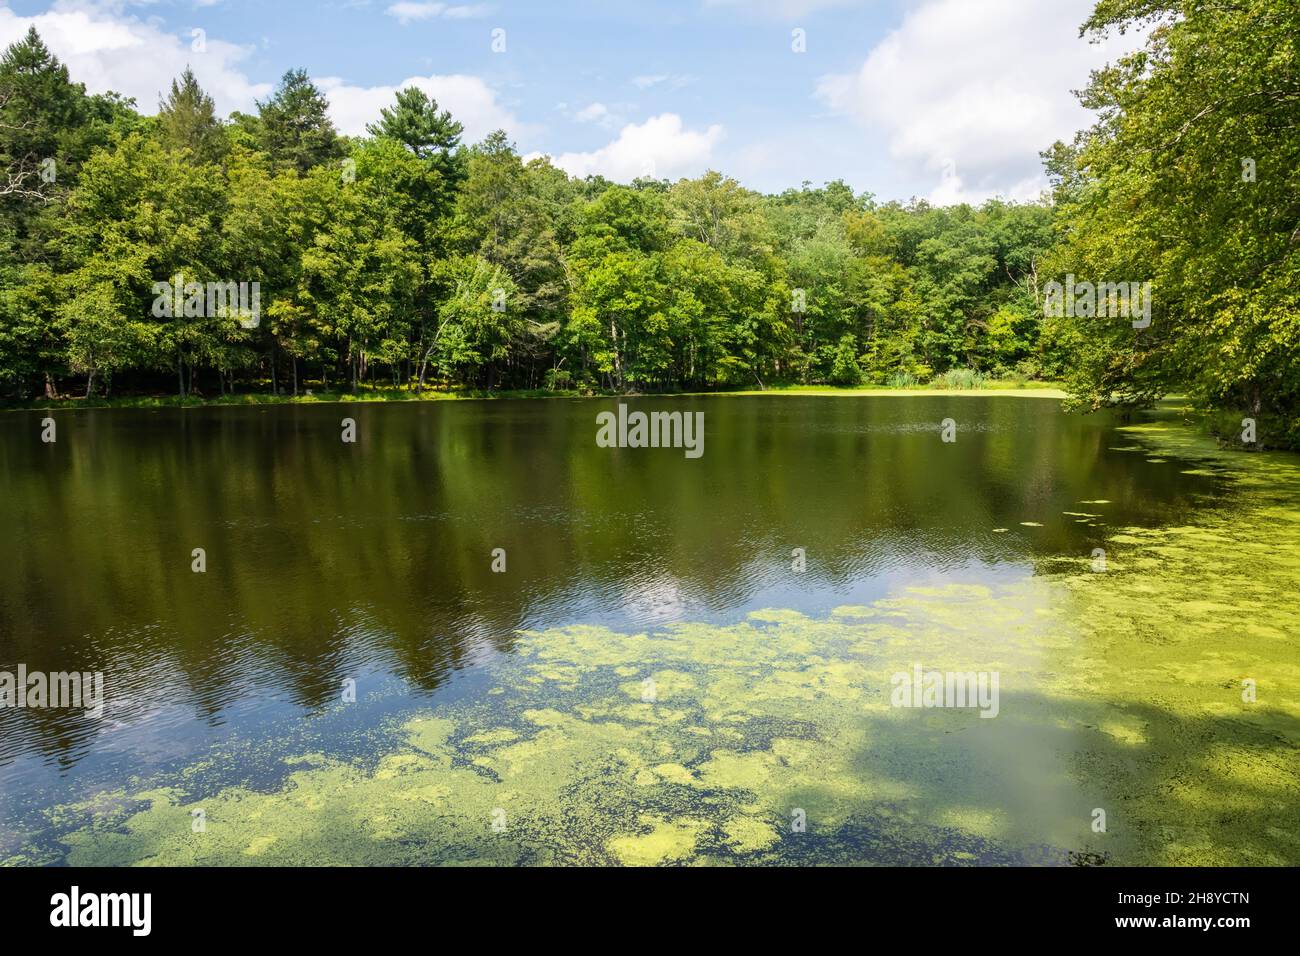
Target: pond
475 634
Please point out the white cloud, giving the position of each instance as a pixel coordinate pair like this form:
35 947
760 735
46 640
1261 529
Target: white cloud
599 114
106 48
671 81
971 92
109 50
407 12
471 101
589 114
781 9
661 147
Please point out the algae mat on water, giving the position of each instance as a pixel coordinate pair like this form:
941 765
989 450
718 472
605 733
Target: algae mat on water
773 740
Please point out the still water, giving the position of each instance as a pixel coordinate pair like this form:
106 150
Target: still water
652 678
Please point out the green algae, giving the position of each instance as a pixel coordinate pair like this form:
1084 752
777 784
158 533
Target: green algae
1120 690
667 841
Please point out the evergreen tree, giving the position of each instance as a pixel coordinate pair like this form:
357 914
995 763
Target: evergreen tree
416 123
295 126
187 119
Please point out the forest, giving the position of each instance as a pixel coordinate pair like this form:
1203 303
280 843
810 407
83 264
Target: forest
410 259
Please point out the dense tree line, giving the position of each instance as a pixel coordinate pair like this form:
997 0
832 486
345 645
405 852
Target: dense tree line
409 258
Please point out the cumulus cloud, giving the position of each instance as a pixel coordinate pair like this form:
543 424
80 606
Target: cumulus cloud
661 147
971 92
107 49
471 101
411 12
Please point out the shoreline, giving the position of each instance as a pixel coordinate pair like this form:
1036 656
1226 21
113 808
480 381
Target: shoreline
1033 390
1213 423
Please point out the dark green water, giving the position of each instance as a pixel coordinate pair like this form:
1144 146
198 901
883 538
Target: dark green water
373 561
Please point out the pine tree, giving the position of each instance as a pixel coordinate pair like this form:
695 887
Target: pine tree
187 119
296 128
39 107
416 123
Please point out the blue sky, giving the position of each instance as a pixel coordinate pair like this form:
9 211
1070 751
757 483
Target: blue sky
945 99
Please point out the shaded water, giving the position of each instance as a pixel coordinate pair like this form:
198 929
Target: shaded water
504 717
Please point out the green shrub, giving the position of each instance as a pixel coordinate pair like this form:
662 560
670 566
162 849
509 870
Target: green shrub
962 379
558 379
845 370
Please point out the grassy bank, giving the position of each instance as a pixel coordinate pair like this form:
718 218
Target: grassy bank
1225 426
368 394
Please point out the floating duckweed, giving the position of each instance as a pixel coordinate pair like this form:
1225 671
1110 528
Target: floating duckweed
668 841
1120 690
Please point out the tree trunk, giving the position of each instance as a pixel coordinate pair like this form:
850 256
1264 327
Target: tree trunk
419 381
618 362
90 382
51 390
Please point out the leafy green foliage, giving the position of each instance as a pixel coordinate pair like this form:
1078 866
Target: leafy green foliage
1188 180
